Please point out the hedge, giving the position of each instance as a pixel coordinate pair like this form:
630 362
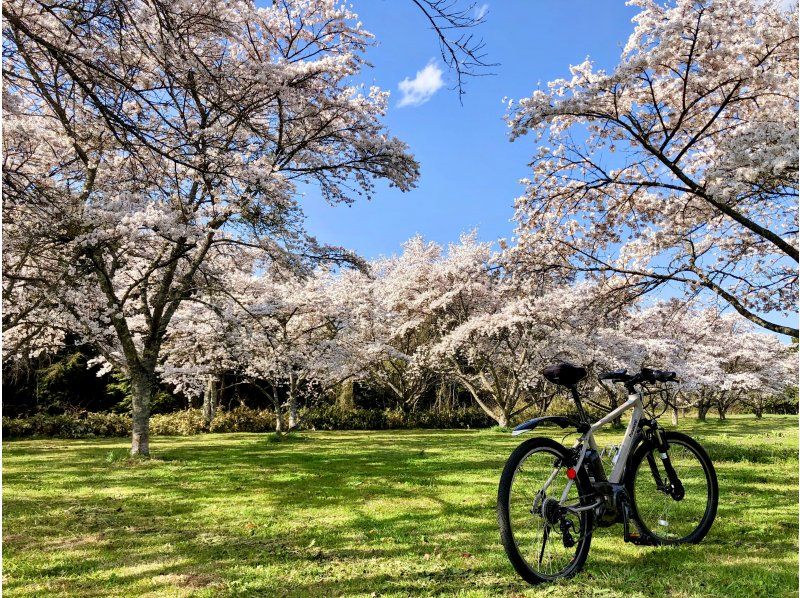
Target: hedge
67 426
240 419
336 418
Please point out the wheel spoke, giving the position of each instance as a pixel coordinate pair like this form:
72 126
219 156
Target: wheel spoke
667 519
540 543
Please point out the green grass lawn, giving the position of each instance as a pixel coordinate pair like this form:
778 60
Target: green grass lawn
360 513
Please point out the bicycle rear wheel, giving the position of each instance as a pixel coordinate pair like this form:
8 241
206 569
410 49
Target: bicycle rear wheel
664 518
542 540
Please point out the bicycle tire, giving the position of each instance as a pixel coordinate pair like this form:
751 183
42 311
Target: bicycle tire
635 469
507 537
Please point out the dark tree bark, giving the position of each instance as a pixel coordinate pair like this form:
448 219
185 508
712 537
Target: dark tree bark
276 402
345 398
143 389
210 401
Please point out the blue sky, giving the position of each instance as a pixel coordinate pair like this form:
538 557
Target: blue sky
469 169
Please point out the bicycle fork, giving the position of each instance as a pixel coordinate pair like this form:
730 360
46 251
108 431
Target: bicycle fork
674 487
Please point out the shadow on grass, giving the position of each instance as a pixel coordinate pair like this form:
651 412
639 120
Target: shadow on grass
330 514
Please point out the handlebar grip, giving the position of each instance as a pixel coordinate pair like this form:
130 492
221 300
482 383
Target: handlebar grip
646 376
665 376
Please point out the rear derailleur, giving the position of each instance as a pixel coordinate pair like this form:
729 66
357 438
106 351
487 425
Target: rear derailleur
556 515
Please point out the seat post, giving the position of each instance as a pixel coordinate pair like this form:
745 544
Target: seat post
577 398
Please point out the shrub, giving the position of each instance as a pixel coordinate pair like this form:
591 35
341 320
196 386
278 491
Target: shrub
108 424
67 426
240 419
178 423
333 417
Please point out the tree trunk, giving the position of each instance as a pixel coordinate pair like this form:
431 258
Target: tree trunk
293 419
498 414
438 403
210 398
345 398
722 405
674 415
759 412
276 401
142 389
294 383
702 407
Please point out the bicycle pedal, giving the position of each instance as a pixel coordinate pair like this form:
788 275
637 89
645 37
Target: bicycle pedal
637 538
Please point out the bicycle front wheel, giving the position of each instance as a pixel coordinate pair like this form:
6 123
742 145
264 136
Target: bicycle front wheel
543 540
666 517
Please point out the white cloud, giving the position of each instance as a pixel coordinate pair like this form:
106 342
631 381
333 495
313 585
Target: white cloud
421 88
480 11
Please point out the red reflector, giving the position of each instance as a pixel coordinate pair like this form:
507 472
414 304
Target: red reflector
571 474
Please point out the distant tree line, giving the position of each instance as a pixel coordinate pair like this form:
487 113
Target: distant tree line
431 329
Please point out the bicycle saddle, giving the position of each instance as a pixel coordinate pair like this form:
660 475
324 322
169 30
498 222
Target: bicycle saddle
565 374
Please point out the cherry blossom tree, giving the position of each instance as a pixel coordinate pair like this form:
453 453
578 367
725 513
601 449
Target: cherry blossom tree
751 365
293 338
491 355
148 144
481 342
393 331
201 346
680 166
279 332
485 331
720 358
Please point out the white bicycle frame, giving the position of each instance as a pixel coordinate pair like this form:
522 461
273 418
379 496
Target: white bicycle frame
634 402
588 442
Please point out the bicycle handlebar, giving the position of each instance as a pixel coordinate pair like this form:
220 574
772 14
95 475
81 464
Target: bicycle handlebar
645 376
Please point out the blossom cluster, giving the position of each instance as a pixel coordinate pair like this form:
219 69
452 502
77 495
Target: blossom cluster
433 313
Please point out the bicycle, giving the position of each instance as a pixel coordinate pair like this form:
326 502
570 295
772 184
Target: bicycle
551 498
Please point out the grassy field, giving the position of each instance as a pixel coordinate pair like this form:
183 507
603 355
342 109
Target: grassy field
360 513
